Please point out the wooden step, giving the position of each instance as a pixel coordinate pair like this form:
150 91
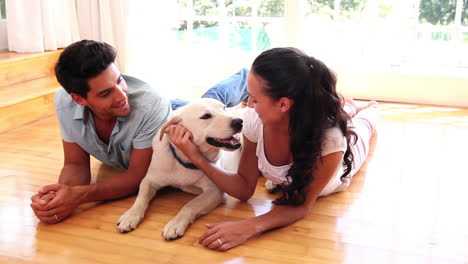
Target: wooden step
27 87
21 67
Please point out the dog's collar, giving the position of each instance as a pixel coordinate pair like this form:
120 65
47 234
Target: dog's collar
181 162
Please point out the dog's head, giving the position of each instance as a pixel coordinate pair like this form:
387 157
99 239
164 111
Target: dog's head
209 123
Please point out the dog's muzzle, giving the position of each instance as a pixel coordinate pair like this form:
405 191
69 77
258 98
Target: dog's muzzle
232 142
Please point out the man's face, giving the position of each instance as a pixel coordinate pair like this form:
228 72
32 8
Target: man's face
107 96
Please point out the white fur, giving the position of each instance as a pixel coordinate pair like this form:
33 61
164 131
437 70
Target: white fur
164 170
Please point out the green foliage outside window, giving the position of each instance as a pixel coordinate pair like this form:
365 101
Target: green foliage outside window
322 7
351 8
348 8
435 12
241 33
441 12
2 6
205 7
239 10
267 8
271 8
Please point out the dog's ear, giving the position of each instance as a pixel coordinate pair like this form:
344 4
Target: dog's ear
174 120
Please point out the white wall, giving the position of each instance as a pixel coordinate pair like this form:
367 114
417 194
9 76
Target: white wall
404 87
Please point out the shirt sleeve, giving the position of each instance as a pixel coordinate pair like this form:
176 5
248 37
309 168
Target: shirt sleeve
252 125
151 123
334 141
64 115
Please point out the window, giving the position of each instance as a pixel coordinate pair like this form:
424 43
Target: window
414 35
381 49
405 34
2 8
235 25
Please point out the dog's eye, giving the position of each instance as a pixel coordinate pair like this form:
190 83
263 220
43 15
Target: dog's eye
206 116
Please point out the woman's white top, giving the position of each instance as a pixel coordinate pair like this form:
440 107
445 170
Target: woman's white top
334 141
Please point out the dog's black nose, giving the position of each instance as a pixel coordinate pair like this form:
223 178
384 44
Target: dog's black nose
236 124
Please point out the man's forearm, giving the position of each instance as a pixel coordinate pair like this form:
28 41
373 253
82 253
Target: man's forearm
75 175
118 186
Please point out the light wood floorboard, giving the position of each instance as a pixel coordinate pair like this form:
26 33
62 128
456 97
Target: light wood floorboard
408 204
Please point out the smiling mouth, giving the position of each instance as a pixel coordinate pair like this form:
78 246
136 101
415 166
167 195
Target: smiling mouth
229 143
121 104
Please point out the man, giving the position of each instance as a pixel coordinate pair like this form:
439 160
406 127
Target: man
112 117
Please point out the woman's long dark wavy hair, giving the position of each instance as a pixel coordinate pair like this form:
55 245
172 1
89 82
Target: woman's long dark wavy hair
289 72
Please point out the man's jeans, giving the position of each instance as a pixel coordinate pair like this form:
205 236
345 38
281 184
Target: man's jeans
231 91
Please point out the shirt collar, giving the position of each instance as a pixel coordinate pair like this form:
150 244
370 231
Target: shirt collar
122 118
81 112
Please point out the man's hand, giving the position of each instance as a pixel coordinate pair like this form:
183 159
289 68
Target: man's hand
39 200
55 202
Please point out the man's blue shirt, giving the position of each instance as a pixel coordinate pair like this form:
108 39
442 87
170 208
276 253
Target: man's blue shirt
149 111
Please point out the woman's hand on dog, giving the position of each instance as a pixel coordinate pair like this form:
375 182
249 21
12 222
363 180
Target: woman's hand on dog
182 139
55 202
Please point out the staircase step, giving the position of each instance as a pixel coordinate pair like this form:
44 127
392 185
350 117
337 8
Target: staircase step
25 112
21 67
21 92
27 87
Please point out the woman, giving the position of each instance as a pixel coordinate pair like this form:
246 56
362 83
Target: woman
296 134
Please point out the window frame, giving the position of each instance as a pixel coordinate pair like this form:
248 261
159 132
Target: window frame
3 30
399 80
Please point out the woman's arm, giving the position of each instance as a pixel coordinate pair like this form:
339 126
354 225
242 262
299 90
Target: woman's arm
240 185
232 234
281 215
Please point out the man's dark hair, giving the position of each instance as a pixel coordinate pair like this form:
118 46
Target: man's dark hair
82 61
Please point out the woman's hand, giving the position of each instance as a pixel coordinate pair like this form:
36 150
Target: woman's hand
226 235
182 139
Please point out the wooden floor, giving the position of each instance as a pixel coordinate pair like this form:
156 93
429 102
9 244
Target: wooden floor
408 204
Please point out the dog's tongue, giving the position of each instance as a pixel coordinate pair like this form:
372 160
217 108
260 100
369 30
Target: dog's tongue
231 140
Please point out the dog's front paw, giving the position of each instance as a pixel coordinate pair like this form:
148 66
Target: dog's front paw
271 186
129 221
174 229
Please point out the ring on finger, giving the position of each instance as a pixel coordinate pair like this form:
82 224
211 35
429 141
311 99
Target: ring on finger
56 217
219 241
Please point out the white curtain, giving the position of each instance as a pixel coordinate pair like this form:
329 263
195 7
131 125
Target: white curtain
106 20
140 30
151 52
144 51
39 25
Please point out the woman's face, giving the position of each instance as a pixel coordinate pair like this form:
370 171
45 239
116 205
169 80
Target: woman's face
267 109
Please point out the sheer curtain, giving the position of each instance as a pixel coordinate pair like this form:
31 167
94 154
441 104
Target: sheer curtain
140 30
39 25
151 51
106 20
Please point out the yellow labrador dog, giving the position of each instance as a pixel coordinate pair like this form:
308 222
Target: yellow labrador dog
213 129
